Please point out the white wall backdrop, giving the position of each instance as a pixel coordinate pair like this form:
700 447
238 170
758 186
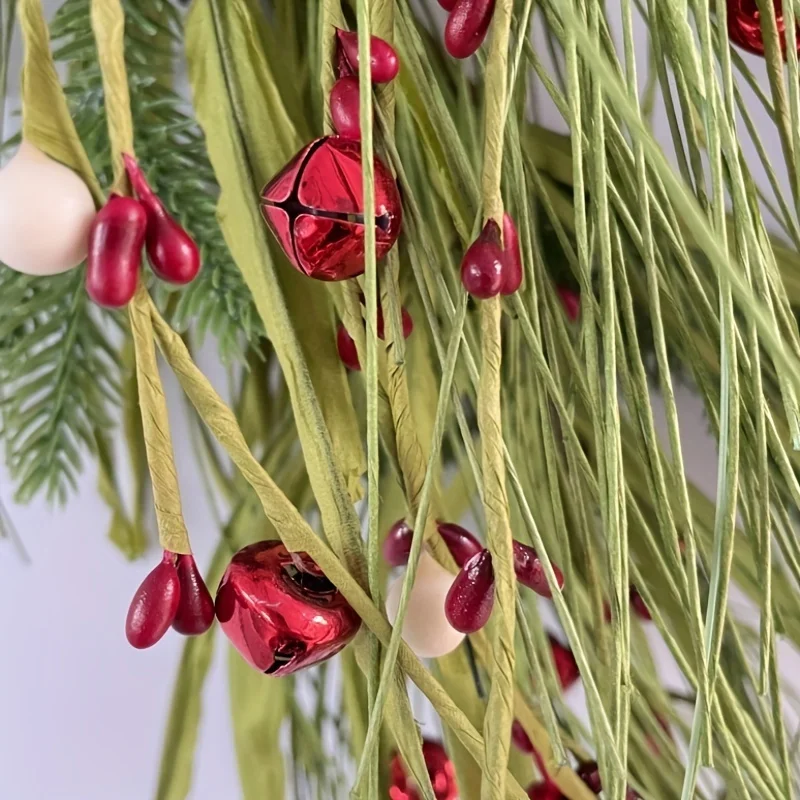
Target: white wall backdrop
82 715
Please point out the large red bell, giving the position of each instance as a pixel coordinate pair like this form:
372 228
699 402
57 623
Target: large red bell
440 770
744 25
279 610
315 208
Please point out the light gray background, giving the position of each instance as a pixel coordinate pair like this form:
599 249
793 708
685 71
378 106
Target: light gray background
81 714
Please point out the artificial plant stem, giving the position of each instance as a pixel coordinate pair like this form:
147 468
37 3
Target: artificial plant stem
371 377
108 23
499 707
448 370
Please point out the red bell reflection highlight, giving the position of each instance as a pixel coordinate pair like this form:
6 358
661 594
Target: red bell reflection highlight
440 771
281 613
744 26
315 209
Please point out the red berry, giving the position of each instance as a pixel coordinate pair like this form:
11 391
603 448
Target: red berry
397 544
512 277
408 323
345 108
530 572
469 602
482 267
460 542
196 608
589 773
571 302
520 738
639 606
383 62
545 790
466 26
347 349
447 4
566 666
154 605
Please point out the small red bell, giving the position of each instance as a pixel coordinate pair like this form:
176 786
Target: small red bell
744 26
279 610
315 208
440 770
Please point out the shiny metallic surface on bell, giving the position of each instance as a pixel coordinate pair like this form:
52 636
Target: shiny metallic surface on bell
280 611
315 209
744 25
440 770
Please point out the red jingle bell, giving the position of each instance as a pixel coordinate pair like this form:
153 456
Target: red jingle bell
440 770
280 611
744 26
315 208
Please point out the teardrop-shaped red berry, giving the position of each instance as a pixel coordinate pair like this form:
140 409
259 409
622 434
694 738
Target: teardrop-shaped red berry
530 572
469 602
545 790
466 26
520 738
408 323
172 253
347 349
383 62
397 544
639 606
196 607
345 108
460 542
566 665
482 267
154 605
512 274
571 301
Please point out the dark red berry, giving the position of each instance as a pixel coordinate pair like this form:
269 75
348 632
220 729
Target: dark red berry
447 4
196 608
545 790
345 108
520 738
512 275
154 605
482 267
383 62
408 323
466 26
639 606
530 572
347 349
469 602
571 302
460 542
589 773
397 544
566 665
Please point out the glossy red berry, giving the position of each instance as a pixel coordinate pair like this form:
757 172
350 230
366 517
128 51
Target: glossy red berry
467 26
571 301
482 267
383 62
408 323
345 108
589 773
397 544
566 665
544 790
530 572
347 349
154 605
639 606
460 542
114 256
172 253
470 600
520 738
195 613
512 274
